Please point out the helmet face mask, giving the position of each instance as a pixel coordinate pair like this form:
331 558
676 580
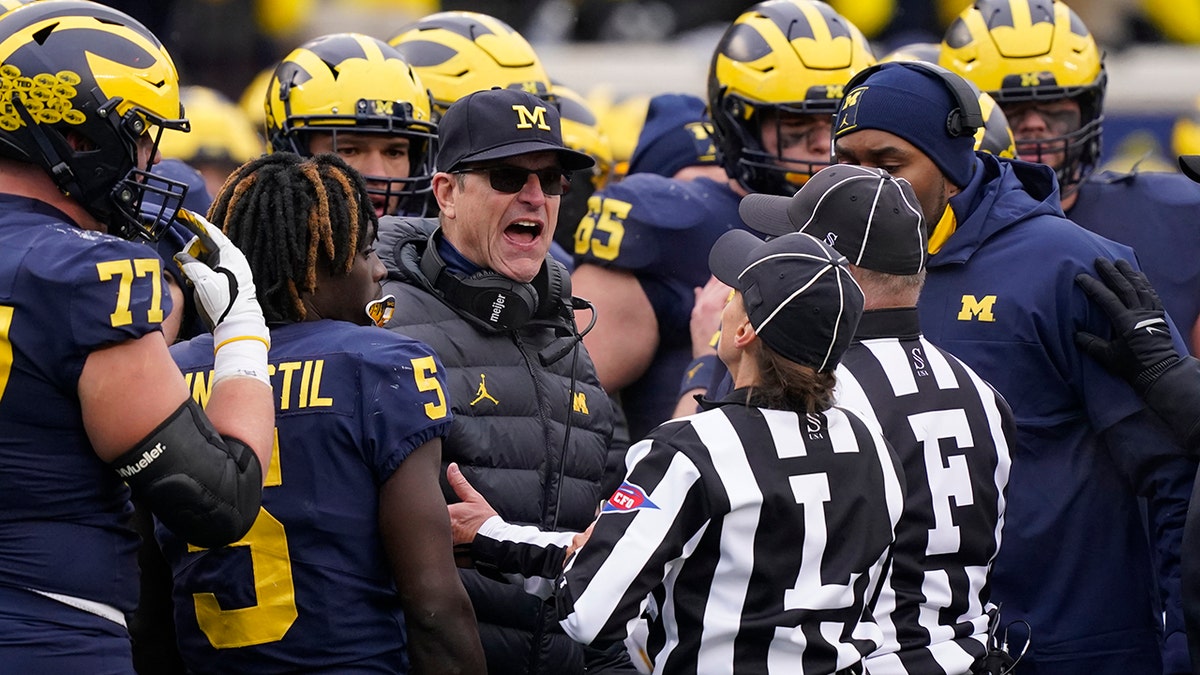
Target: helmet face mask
93 82
1040 54
408 196
779 59
766 158
350 83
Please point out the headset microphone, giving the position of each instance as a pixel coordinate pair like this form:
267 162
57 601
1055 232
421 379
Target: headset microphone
548 357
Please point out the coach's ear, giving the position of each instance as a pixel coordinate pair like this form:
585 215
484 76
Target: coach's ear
443 191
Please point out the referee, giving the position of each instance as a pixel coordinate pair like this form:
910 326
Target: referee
747 522
951 430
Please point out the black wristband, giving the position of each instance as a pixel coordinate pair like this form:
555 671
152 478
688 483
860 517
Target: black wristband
1147 377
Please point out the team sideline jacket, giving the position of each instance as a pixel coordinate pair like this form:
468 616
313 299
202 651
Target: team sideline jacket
1001 296
1156 214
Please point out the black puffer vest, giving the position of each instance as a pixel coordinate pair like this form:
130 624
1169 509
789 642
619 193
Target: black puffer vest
531 436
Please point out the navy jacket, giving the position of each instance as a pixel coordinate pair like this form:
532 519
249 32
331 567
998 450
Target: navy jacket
1076 562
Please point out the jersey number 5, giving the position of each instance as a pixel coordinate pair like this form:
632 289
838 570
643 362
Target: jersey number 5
275 611
270 618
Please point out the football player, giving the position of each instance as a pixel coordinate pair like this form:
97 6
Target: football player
581 131
92 408
351 551
355 96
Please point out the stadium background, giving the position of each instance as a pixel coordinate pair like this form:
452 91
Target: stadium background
617 52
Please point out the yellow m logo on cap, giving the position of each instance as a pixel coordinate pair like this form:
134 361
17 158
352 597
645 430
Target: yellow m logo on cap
526 119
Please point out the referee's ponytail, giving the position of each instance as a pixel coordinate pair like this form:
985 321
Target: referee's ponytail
784 384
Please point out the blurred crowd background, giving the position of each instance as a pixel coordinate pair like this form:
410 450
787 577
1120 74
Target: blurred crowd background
619 52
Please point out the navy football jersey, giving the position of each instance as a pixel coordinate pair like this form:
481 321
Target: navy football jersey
1155 213
309 586
660 230
64 293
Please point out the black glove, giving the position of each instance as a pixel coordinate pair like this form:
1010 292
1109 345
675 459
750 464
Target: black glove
1141 348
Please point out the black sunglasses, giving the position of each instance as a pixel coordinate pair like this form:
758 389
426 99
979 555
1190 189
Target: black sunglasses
512 179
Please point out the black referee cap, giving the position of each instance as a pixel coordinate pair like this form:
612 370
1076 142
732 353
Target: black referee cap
798 293
868 215
1191 166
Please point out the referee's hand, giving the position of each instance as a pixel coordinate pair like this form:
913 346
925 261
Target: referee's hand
468 515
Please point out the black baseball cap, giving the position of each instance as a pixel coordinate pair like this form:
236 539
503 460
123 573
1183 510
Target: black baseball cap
868 215
1191 166
498 123
798 293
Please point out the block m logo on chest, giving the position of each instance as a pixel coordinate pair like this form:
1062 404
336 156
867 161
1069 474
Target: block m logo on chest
977 309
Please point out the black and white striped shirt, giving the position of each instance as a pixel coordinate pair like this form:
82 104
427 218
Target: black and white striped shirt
952 433
762 535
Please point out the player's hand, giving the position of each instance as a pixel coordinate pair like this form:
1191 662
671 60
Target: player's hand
468 515
706 316
1141 348
225 297
219 273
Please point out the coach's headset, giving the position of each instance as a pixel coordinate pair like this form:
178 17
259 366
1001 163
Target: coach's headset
963 120
496 303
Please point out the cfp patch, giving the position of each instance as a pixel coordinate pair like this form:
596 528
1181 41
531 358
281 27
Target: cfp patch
628 497
848 115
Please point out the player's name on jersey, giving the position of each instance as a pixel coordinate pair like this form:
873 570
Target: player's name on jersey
298 384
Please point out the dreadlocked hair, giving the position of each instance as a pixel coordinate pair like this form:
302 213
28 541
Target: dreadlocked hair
784 384
289 214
